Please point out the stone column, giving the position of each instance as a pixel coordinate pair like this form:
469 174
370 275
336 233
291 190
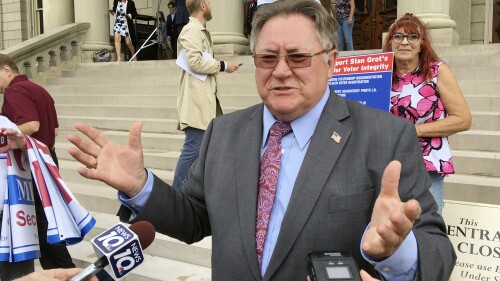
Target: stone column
226 28
57 13
94 12
437 15
461 12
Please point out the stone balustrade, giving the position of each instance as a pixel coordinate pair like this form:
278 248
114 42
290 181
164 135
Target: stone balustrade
48 54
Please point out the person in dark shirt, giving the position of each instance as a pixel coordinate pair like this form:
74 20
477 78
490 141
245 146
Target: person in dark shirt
32 109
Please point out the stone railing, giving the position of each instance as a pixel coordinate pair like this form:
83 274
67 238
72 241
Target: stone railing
48 54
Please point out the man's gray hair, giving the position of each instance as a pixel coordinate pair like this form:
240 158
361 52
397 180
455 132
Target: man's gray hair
325 24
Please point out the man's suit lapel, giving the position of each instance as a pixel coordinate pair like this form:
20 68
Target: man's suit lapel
320 159
247 182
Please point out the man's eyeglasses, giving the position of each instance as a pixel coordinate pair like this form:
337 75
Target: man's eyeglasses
399 37
294 60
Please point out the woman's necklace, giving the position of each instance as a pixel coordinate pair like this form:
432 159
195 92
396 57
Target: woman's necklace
411 71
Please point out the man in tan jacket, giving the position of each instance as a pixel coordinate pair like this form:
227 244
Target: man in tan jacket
197 102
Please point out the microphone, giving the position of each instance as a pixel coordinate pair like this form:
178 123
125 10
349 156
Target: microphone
119 250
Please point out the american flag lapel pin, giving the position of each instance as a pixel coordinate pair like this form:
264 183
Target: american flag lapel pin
336 137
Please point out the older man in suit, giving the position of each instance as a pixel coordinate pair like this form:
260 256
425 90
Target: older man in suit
304 171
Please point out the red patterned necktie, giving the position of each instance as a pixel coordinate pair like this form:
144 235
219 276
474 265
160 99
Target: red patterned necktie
268 179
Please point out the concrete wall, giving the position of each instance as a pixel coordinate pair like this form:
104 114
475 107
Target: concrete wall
13 22
471 16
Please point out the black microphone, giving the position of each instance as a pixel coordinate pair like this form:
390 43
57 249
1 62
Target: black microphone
119 250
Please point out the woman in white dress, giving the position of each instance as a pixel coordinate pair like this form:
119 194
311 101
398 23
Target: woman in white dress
125 12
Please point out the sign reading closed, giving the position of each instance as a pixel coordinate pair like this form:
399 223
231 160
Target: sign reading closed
474 230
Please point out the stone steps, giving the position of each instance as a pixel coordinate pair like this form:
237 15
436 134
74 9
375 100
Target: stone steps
483 102
468 162
152 125
146 100
473 60
485 120
476 140
472 188
143 79
223 88
126 80
486 87
474 73
122 111
467 50
170 142
153 158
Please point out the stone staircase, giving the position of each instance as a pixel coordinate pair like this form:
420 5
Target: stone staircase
476 153
111 96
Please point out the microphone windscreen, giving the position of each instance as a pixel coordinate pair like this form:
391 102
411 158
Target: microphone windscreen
145 232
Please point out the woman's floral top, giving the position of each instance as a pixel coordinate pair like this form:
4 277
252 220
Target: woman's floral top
418 101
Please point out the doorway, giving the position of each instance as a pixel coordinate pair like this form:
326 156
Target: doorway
496 22
372 18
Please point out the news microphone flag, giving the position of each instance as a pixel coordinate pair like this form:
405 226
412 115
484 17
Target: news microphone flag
19 234
68 221
119 250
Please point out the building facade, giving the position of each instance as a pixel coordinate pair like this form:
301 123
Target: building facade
451 22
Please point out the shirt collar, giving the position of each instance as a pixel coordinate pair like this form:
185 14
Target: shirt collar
195 20
303 127
20 77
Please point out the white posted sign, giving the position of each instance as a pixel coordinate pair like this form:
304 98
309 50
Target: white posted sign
474 230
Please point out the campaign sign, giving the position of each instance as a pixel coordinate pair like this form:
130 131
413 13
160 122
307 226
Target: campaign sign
21 216
364 78
122 249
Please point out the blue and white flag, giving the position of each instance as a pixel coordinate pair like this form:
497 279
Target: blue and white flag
68 221
19 234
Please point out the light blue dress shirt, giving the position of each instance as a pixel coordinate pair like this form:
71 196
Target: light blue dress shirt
401 266
294 147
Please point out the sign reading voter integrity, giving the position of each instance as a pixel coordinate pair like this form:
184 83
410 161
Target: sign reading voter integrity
364 78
